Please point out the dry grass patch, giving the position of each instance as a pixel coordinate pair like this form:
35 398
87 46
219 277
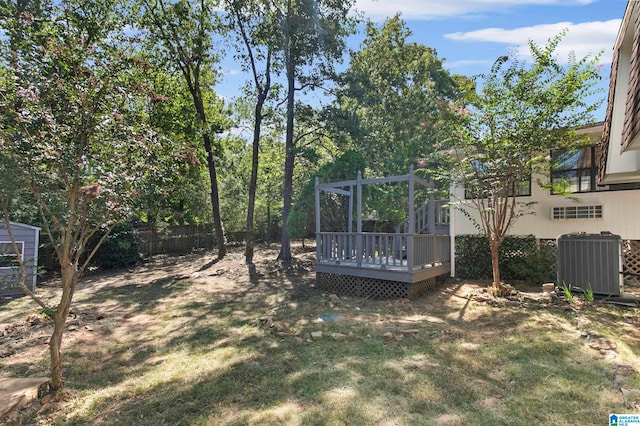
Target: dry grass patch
197 342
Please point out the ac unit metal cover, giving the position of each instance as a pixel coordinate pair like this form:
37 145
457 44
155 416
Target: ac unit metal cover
590 260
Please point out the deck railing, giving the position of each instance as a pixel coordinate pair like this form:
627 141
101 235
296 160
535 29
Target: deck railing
431 250
384 249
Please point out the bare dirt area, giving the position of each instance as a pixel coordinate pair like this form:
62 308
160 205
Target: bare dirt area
193 340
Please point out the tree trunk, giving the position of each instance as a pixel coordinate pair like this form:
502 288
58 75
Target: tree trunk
253 182
287 191
55 350
495 264
69 280
215 201
213 175
269 230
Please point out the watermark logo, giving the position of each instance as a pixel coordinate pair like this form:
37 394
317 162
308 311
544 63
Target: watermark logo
624 419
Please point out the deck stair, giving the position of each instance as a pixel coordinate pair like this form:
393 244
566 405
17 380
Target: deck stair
429 218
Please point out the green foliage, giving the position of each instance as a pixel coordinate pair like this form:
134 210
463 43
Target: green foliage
179 34
534 266
504 133
566 290
72 129
391 99
314 33
520 258
178 191
119 249
587 294
473 259
333 207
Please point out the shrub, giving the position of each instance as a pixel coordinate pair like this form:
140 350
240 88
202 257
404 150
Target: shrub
120 248
534 267
520 258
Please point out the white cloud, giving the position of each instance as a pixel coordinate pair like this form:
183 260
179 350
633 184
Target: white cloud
587 38
467 63
231 71
378 10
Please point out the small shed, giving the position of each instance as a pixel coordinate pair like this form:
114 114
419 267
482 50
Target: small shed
27 239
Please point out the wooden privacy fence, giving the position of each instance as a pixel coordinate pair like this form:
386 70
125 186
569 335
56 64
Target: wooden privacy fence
180 239
158 240
175 239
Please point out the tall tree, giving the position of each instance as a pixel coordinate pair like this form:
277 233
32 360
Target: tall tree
313 40
255 26
504 135
179 191
391 98
70 131
181 32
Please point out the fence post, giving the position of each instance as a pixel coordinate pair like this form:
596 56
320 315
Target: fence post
431 215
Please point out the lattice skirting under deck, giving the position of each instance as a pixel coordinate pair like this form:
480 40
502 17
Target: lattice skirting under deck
371 288
631 252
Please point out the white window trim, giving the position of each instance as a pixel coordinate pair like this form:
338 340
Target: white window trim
22 243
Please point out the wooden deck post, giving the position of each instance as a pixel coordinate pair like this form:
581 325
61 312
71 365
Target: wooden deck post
359 220
317 198
431 215
412 221
350 225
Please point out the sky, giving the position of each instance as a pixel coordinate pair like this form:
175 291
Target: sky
471 34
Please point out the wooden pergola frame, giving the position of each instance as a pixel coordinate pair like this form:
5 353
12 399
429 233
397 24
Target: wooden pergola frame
401 256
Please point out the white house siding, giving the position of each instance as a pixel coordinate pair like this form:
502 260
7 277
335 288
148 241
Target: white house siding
620 211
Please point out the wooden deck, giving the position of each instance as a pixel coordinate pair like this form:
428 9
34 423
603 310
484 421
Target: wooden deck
410 258
385 256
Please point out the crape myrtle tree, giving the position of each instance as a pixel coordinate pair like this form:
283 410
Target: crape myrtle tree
313 39
180 33
504 134
71 135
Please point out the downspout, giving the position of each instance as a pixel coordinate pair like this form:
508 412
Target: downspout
452 229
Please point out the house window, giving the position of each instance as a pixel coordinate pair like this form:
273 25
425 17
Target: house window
8 256
521 189
575 170
577 212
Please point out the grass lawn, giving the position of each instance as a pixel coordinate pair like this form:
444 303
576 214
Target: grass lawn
188 340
